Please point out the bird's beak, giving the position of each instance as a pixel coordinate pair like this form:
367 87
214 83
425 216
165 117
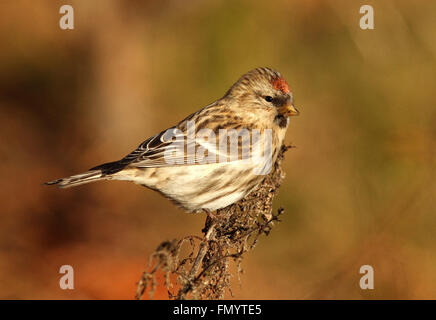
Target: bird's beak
288 110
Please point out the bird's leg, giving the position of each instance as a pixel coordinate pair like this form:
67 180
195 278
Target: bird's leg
209 234
211 214
210 219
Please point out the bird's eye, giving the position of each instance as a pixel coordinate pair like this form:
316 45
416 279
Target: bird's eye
268 98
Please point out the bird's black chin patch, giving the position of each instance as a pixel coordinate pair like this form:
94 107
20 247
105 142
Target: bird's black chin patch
281 120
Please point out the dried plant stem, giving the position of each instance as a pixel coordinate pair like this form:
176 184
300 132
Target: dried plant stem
227 235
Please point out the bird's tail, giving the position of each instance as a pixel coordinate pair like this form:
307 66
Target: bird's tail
78 179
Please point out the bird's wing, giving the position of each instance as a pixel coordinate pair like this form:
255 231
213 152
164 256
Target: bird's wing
179 145
156 151
174 147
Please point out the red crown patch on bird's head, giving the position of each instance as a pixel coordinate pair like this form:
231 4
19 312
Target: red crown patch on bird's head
281 84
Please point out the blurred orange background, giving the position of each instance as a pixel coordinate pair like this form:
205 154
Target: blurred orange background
360 185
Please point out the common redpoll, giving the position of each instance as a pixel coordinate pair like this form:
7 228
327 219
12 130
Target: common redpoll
215 156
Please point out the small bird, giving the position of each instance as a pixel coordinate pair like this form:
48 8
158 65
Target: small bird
182 165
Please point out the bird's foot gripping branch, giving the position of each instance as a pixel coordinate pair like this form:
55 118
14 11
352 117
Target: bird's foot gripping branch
199 267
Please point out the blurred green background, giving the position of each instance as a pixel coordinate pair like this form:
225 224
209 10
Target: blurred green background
360 185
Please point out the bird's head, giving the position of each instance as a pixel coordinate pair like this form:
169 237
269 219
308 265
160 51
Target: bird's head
267 88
